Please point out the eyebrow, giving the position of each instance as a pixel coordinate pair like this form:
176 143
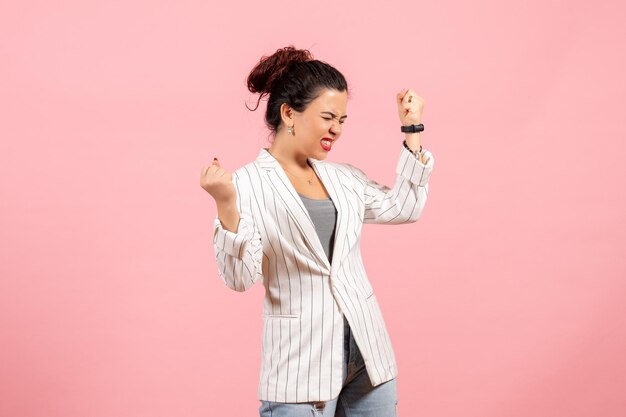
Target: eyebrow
334 115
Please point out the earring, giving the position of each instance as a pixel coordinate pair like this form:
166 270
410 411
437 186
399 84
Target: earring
290 130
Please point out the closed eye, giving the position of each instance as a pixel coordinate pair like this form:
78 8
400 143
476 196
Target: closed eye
330 118
333 116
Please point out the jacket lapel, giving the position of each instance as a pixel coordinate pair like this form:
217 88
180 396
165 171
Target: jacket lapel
332 181
289 198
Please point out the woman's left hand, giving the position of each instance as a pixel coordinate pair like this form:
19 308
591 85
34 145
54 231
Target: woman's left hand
410 107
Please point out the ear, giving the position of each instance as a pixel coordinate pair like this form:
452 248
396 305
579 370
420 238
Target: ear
286 114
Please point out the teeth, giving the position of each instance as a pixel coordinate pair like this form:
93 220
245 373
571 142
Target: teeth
326 142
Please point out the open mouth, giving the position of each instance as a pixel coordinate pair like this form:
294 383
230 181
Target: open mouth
326 144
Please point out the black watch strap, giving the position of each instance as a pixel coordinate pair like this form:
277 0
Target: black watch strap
412 128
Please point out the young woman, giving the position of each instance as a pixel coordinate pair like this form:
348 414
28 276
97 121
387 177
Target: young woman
293 221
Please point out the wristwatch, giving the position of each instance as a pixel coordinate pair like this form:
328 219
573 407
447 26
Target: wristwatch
412 128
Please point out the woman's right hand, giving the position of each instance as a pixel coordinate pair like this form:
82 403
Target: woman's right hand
219 183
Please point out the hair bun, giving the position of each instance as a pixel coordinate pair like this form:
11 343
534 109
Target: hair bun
270 68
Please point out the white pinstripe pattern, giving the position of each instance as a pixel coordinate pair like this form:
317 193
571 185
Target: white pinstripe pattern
306 297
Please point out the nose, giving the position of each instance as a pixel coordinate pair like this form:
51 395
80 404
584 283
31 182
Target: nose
335 128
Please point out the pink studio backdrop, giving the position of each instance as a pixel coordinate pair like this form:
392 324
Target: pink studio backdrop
507 298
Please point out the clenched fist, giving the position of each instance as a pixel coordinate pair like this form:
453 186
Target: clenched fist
219 183
410 107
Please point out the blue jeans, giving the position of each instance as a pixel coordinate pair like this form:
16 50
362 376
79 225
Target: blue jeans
358 398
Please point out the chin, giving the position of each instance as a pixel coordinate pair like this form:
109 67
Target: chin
321 155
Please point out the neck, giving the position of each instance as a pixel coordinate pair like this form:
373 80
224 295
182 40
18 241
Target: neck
284 150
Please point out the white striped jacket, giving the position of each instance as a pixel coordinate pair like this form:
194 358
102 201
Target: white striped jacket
306 296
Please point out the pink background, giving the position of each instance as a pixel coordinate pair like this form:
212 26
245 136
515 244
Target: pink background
508 297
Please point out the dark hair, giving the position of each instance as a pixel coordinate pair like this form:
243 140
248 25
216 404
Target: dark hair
291 76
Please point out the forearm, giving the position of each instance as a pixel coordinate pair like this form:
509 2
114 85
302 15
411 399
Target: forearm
238 254
229 215
413 141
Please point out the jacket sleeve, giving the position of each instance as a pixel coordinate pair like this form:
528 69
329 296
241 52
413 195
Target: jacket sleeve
239 254
404 202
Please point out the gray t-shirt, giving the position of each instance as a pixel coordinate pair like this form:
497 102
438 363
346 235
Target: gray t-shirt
324 216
